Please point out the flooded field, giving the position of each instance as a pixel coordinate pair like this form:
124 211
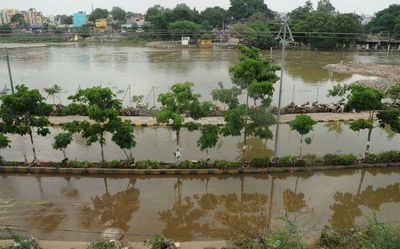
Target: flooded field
196 208
78 65
160 143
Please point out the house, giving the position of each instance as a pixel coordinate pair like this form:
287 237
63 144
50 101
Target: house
79 19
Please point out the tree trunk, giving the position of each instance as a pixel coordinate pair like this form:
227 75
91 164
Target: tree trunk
177 138
102 153
65 154
301 147
126 154
35 160
245 125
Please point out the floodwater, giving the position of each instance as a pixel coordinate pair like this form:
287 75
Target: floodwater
160 144
75 208
79 65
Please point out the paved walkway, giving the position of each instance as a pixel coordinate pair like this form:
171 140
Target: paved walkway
150 121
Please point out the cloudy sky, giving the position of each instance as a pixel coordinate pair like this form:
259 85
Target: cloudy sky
52 7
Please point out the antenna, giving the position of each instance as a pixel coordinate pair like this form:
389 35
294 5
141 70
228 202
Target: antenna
92 7
285 27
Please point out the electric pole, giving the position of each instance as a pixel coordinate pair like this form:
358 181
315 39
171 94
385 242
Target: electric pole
9 71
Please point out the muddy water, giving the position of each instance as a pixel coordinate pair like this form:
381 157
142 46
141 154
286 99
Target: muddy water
78 65
196 208
160 143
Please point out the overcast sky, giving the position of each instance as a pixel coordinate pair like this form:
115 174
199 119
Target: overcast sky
52 7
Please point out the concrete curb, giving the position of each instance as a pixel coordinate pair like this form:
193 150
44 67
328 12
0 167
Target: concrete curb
101 171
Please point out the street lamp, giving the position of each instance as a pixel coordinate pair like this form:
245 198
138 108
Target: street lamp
285 27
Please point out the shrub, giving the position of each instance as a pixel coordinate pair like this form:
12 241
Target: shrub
221 164
104 244
191 165
159 242
312 160
381 236
286 161
384 157
260 162
79 164
147 164
22 242
116 164
334 160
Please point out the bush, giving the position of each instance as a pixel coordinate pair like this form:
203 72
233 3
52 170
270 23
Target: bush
384 157
334 160
116 164
22 242
191 165
339 239
286 161
221 164
104 244
260 162
147 164
80 164
159 242
312 160
381 236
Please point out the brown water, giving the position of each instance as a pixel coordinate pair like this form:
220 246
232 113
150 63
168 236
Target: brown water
160 143
118 67
196 208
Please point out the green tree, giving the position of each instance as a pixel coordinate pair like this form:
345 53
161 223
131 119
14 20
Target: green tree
186 28
118 14
64 19
386 20
102 107
183 13
254 75
5 29
98 14
179 102
215 16
254 34
325 6
322 22
4 142
156 16
347 23
18 18
23 112
209 137
303 124
242 9
53 91
62 141
361 98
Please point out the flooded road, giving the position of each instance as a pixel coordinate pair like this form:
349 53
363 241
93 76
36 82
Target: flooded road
196 208
79 65
160 143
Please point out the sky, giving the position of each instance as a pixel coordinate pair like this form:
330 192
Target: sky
53 7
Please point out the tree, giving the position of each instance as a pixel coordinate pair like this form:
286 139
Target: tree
18 18
61 142
64 19
4 142
186 28
98 14
53 91
347 23
242 9
325 6
361 98
23 112
303 124
256 76
320 22
118 14
5 29
183 13
386 20
180 101
155 15
102 107
254 34
214 16
208 138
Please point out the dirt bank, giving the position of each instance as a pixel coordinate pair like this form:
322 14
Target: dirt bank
386 75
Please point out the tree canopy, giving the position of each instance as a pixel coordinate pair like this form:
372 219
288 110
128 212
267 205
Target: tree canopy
386 20
98 14
118 14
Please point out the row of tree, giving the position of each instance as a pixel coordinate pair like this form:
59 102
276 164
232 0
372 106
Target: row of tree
26 111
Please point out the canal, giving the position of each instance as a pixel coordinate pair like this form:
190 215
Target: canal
186 208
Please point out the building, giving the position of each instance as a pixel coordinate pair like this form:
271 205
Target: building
138 20
33 18
101 24
6 15
79 19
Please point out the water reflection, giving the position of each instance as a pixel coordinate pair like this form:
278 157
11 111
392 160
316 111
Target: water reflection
196 207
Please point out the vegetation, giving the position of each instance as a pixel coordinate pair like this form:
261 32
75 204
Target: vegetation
254 75
105 244
386 20
53 92
303 124
102 107
23 112
21 242
98 14
361 98
159 242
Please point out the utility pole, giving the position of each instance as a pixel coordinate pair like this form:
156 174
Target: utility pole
285 26
271 51
9 71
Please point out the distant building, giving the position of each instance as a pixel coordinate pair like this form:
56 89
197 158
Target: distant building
6 15
79 19
33 18
137 20
101 23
